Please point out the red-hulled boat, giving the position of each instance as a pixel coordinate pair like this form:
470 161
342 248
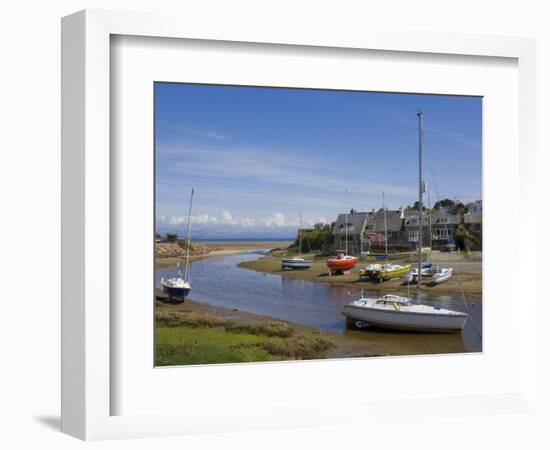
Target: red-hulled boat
341 263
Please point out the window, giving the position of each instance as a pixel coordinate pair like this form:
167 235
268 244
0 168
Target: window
413 236
442 233
412 222
442 220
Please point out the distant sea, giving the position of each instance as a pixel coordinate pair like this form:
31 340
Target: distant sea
258 239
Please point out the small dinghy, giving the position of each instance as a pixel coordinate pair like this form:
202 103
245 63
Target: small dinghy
295 263
441 274
402 313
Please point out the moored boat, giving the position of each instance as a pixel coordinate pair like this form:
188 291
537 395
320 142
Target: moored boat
442 274
401 313
383 272
295 263
427 271
179 286
341 263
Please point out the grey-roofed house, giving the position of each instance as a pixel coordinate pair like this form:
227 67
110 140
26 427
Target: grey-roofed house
376 228
355 223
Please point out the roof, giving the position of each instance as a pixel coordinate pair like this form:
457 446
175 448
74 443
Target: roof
355 221
436 216
375 221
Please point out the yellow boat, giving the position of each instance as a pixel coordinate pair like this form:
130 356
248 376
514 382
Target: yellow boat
385 271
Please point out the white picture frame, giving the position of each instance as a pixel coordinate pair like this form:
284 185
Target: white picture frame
87 325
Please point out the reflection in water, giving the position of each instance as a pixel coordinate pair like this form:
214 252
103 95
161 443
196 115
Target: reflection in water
219 282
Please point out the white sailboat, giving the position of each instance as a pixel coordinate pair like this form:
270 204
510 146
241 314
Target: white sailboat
403 313
180 285
297 263
441 274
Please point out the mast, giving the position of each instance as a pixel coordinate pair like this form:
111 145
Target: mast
420 144
346 225
300 234
188 235
430 222
385 223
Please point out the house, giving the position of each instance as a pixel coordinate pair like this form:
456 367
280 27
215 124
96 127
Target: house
475 207
473 221
352 226
442 223
379 226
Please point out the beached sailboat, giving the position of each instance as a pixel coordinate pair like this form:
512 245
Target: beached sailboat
297 263
441 274
387 271
342 262
427 271
180 285
403 313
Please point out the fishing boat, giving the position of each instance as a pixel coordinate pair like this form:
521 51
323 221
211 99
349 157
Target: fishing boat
179 286
297 263
342 263
404 313
441 274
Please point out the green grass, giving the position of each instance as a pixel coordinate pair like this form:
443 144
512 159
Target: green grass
191 345
191 338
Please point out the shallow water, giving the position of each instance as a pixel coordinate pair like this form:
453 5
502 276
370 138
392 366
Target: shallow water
219 282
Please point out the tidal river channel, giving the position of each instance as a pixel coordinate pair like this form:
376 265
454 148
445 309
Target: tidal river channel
219 281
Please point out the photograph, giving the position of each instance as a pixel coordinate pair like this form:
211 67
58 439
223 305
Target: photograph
310 224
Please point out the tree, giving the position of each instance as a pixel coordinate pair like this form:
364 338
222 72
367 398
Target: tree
445 203
172 238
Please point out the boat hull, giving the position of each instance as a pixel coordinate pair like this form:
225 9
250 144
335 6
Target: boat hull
405 321
339 266
438 279
176 292
383 275
295 264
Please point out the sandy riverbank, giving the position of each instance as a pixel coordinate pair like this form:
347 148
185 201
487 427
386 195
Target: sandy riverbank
225 249
467 275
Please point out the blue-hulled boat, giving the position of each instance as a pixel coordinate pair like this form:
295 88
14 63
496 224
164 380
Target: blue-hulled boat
179 286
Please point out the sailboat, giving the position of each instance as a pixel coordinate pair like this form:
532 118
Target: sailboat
404 313
387 271
180 285
297 263
342 262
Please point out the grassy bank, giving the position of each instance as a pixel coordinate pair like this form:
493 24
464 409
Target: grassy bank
188 334
467 275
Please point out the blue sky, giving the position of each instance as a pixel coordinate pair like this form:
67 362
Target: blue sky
257 157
